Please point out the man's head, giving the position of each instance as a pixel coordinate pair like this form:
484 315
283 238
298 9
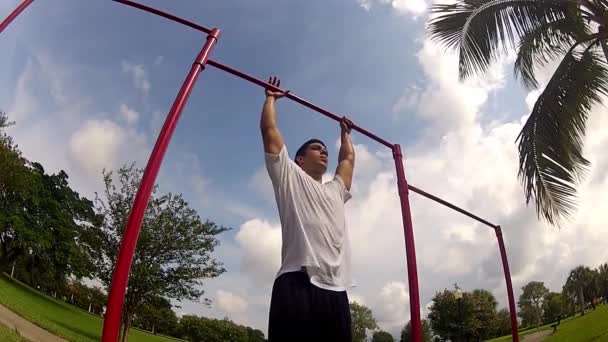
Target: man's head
312 157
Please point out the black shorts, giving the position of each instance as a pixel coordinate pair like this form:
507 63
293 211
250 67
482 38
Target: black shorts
300 311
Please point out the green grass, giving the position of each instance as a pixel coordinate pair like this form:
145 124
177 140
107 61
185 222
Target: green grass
591 327
9 335
58 317
527 331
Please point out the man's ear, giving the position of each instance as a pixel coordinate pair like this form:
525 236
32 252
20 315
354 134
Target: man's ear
299 160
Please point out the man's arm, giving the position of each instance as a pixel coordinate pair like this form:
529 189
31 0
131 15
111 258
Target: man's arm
271 136
346 157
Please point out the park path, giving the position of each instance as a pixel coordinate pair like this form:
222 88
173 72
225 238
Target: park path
537 336
25 328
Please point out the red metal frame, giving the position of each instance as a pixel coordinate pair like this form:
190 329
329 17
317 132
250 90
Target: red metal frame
129 241
111 324
14 14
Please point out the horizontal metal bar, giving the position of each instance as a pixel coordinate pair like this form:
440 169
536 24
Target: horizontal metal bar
450 205
296 99
164 15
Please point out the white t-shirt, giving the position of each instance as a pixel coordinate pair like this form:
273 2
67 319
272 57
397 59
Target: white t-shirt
313 225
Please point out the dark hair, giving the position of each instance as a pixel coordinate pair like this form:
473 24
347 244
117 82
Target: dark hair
302 150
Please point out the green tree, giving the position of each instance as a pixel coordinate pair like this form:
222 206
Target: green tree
174 248
45 226
554 306
578 280
202 329
551 158
362 321
406 332
502 323
478 315
156 316
530 303
382 336
602 271
255 335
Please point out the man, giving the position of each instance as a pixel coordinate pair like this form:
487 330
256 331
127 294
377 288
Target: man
309 300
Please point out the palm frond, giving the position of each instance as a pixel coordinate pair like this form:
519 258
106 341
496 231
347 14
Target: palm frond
551 142
546 43
480 30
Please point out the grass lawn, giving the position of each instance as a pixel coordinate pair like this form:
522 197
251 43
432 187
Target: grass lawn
58 317
527 331
591 327
9 335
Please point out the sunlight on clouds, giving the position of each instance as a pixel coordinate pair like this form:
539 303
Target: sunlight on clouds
411 7
260 243
231 303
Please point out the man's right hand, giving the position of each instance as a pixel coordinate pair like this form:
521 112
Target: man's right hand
275 94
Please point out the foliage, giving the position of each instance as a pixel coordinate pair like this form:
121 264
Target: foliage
174 247
477 309
199 329
362 321
581 283
157 316
46 228
503 323
382 336
554 307
541 31
406 332
530 303
602 278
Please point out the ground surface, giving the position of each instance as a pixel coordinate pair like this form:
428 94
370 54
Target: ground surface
10 335
57 317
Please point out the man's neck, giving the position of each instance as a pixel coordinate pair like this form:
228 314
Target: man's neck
317 177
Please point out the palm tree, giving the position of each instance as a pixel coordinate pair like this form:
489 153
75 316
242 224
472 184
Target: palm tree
551 162
578 280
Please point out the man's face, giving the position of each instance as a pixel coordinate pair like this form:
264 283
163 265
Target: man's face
315 159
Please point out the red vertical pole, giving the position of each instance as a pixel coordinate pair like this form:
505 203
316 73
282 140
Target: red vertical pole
410 251
14 14
120 277
505 266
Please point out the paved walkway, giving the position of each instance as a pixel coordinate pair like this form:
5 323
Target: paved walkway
25 328
537 336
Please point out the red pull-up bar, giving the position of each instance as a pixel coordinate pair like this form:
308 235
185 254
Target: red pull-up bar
129 241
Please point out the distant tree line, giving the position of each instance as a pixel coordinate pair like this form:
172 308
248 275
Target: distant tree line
52 239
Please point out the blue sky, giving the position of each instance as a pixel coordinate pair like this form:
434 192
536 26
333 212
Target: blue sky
89 84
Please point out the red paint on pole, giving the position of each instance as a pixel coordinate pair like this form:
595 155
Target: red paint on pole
505 266
111 324
14 14
410 250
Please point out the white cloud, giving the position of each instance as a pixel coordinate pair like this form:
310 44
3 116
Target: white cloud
260 243
409 7
95 145
393 307
138 74
446 102
128 114
231 303
158 60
